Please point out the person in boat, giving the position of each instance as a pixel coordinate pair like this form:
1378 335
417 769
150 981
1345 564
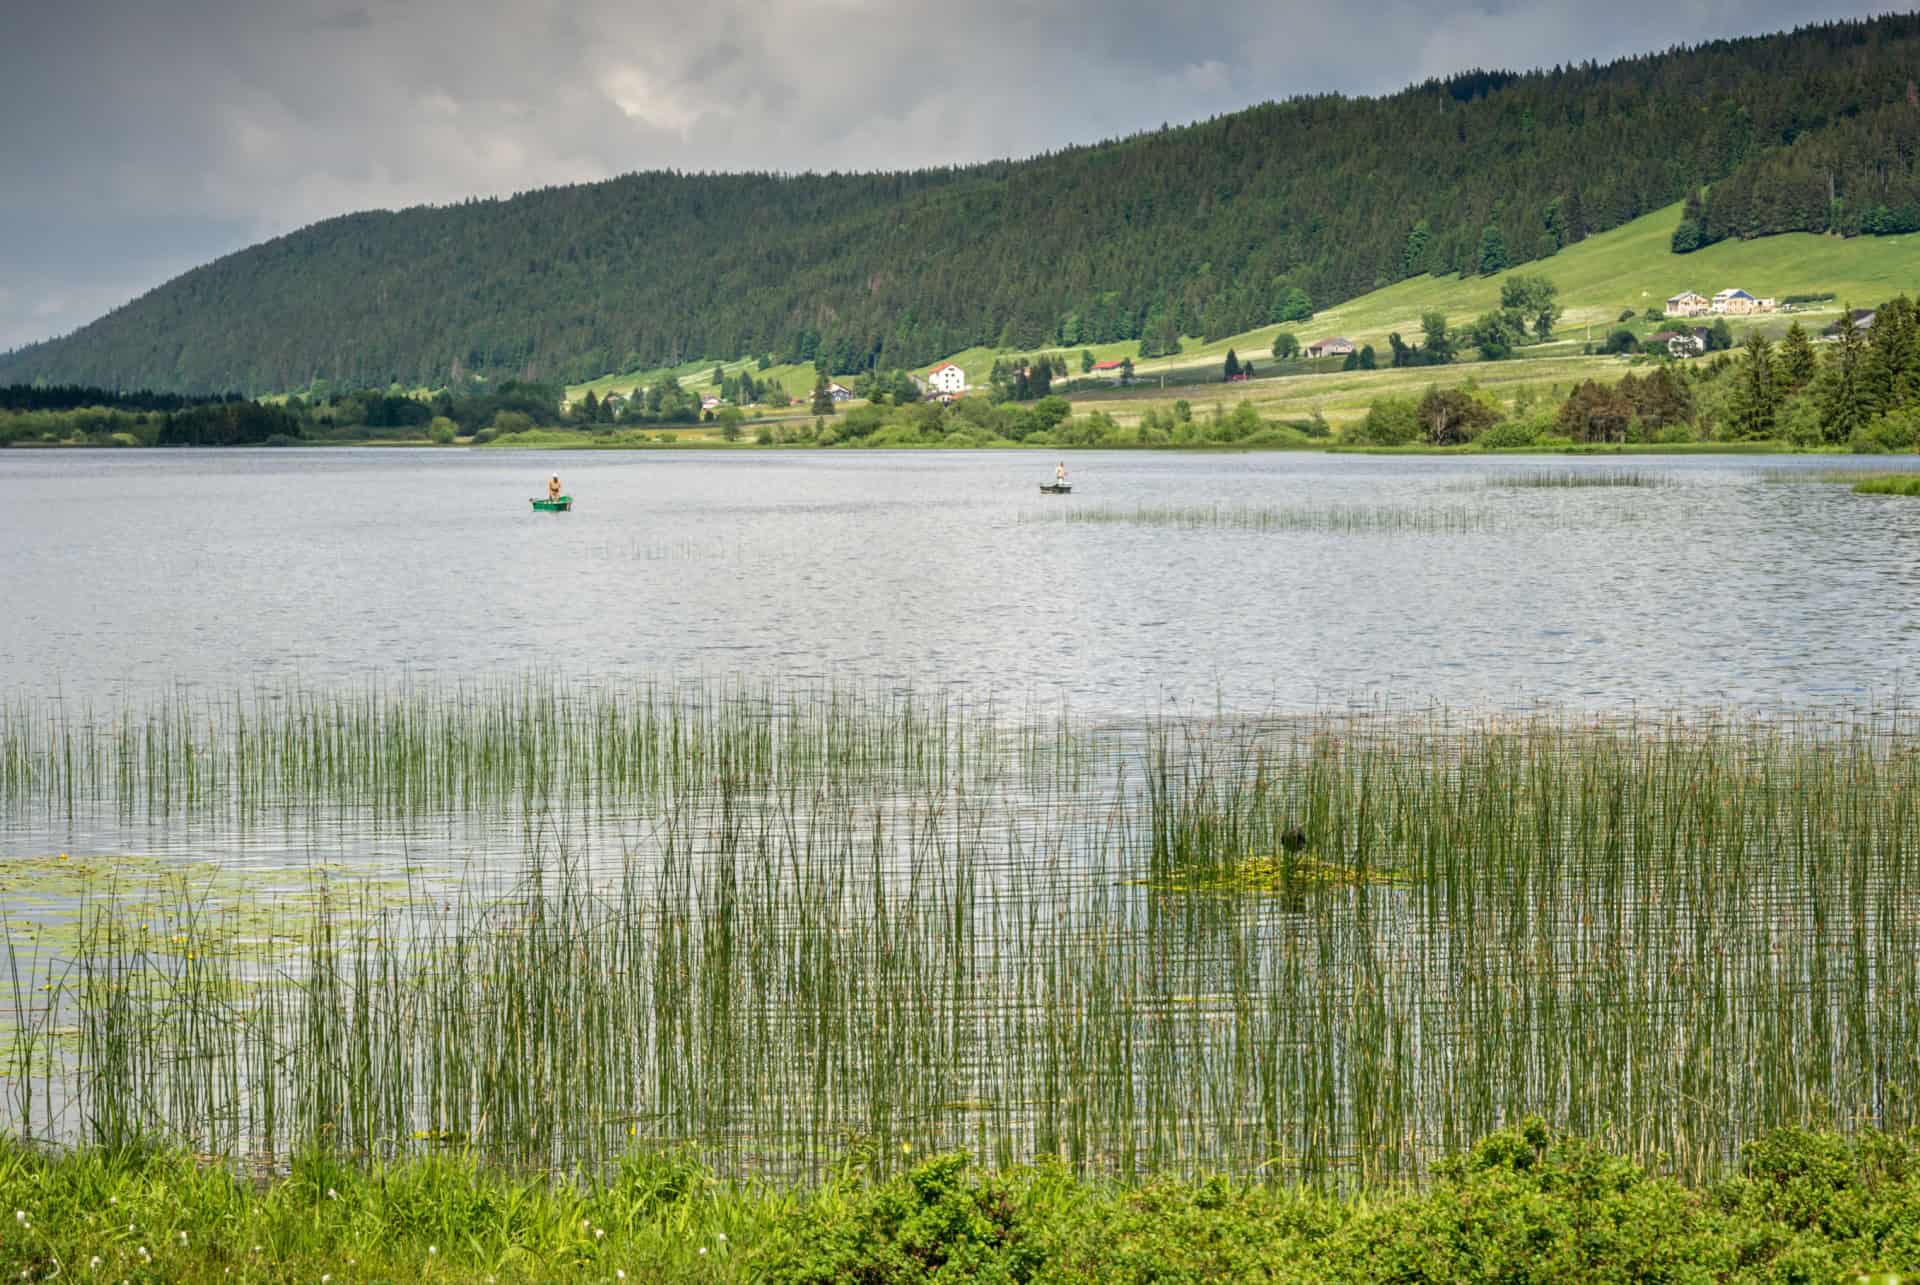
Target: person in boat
1060 474
553 487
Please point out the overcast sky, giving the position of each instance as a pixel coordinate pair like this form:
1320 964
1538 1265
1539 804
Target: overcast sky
141 137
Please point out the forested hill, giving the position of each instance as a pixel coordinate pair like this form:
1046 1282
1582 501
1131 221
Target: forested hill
1207 229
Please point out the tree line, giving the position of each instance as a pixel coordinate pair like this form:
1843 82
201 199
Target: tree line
1857 389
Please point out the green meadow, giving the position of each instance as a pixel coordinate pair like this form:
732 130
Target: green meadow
1629 268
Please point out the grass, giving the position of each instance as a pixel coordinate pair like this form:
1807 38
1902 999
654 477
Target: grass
1524 1203
1459 519
1845 476
1561 480
773 925
1908 485
1342 518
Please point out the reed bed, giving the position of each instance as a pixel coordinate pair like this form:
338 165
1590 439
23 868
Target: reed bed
1332 519
891 924
1843 476
1575 479
1908 485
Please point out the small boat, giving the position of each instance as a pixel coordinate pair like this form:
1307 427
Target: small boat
560 505
1055 488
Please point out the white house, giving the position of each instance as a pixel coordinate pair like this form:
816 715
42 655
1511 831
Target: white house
1335 347
839 392
709 403
948 379
1687 304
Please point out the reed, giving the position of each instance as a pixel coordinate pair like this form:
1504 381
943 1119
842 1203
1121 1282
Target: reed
1908 485
1575 479
1332 519
780 926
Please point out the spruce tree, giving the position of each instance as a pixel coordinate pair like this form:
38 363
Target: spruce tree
1795 366
1755 398
822 394
1846 403
1233 365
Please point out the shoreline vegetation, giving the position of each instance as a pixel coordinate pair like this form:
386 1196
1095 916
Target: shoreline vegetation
1857 392
1524 1203
849 933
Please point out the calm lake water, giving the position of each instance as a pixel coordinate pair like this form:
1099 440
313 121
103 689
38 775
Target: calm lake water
127 573
1026 964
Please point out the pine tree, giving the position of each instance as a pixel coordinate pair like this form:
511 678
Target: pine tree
1755 398
1493 251
822 403
1891 355
1233 365
1846 403
1795 366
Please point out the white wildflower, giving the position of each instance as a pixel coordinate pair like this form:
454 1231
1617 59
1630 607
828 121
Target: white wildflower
432 1250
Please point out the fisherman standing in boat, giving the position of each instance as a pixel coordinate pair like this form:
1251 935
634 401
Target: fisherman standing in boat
553 487
1060 474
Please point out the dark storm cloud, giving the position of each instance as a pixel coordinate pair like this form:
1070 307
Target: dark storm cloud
141 138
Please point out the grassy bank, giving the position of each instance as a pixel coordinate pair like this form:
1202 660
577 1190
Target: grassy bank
1524 1204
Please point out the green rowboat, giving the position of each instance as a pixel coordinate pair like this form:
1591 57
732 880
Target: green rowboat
560 505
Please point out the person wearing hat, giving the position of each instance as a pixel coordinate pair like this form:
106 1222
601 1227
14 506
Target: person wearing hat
553 487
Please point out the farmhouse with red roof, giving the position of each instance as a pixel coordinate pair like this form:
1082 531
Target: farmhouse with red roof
947 379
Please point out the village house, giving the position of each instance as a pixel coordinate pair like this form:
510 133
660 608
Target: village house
1738 303
839 392
1687 304
1680 344
1101 367
1863 319
709 403
1335 347
947 379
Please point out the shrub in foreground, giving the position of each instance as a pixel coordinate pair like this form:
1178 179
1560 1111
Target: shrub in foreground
1524 1205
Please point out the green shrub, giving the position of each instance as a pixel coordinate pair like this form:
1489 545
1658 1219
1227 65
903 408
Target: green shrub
1390 421
1515 432
1897 430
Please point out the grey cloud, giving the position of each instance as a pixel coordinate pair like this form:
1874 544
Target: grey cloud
241 119
346 20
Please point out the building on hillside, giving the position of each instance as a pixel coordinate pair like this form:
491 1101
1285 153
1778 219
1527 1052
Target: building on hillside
947 379
1335 347
1687 304
1738 303
1862 320
709 403
840 392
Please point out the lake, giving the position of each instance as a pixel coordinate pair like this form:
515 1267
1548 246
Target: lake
793 806
126 573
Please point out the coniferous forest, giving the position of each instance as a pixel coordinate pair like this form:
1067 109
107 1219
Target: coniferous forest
1207 229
